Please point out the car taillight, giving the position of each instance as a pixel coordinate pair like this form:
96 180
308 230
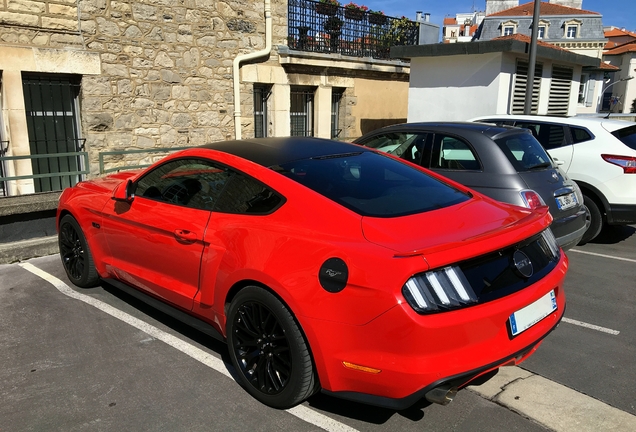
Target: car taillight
628 163
531 199
438 290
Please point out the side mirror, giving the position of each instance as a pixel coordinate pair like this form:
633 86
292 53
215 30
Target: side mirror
125 192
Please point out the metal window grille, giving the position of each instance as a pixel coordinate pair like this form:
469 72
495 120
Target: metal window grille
560 88
261 94
52 116
302 111
336 97
326 28
521 81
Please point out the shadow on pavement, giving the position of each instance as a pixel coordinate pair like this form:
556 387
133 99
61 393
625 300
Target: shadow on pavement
612 234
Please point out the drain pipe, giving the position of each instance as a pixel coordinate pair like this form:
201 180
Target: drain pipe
236 64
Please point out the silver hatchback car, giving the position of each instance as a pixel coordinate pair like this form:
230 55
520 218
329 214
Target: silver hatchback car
504 163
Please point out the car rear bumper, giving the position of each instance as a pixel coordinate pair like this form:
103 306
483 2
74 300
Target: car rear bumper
621 214
569 230
416 353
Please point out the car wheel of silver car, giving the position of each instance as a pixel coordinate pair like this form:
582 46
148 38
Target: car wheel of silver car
75 253
268 349
596 220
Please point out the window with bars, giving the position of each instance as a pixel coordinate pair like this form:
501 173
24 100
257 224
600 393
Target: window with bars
52 114
336 97
261 95
519 92
302 111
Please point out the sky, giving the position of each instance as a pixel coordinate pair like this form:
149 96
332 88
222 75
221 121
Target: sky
617 13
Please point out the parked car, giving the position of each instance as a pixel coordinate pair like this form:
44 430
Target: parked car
324 265
599 154
504 163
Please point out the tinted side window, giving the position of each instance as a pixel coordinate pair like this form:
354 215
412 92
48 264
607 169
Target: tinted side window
579 135
453 154
372 184
627 136
549 135
243 194
193 183
524 152
409 146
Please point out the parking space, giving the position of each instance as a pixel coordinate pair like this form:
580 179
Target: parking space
600 289
97 359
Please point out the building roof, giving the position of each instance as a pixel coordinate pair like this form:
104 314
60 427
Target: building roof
450 21
622 49
546 9
616 32
526 39
518 44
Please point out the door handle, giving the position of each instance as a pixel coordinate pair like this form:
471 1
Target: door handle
186 235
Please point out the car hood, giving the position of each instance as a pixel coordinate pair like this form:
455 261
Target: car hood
458 232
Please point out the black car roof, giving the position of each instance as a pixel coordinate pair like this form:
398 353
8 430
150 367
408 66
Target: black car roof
276 151
489 130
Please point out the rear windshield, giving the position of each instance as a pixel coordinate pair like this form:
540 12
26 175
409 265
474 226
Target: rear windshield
372 184
627 136
524 152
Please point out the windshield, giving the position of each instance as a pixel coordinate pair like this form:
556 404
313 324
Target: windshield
372 184
627 136
524 152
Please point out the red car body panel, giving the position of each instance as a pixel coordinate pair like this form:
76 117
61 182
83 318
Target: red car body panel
196 259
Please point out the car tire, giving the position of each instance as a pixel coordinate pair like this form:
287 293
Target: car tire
75 253
596 220
269 350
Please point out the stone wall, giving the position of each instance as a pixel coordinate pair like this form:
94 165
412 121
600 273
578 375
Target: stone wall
166 65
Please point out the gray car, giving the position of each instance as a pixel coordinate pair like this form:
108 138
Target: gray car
504 163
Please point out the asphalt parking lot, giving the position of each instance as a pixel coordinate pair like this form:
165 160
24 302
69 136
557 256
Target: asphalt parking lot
97 359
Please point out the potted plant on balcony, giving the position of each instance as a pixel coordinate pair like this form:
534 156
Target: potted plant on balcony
333 27
355 12
327 7
377 17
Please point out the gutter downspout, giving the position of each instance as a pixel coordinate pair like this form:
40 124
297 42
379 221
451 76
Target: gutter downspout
236 64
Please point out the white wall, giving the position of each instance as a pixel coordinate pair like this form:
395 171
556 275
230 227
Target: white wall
456 88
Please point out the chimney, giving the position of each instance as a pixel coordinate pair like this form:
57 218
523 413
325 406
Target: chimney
427 17
418 16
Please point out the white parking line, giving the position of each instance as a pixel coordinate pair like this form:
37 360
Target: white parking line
603 255
300 411
591 326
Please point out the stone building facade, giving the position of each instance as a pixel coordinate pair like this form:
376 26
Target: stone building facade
96 77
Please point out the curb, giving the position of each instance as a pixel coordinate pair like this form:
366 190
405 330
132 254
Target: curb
25 249
552 405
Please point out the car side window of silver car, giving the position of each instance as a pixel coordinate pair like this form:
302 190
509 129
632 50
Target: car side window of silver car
450 153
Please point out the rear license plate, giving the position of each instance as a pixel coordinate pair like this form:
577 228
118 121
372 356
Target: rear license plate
565 202
525 318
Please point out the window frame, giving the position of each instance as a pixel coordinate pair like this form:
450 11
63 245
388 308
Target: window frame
261 93
509 25
303 97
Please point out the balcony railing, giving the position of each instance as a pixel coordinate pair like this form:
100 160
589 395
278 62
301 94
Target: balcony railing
326 28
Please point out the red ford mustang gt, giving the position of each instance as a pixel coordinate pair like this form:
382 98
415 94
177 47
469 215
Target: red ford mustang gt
324 265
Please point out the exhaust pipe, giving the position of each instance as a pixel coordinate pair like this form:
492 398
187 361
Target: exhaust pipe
442 395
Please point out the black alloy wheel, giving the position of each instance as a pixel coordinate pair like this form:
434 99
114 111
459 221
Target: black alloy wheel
75 254
269 350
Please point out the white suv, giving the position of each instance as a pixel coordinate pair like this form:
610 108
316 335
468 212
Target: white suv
599 154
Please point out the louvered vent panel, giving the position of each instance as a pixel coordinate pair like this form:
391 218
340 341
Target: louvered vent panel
519 93
560 89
